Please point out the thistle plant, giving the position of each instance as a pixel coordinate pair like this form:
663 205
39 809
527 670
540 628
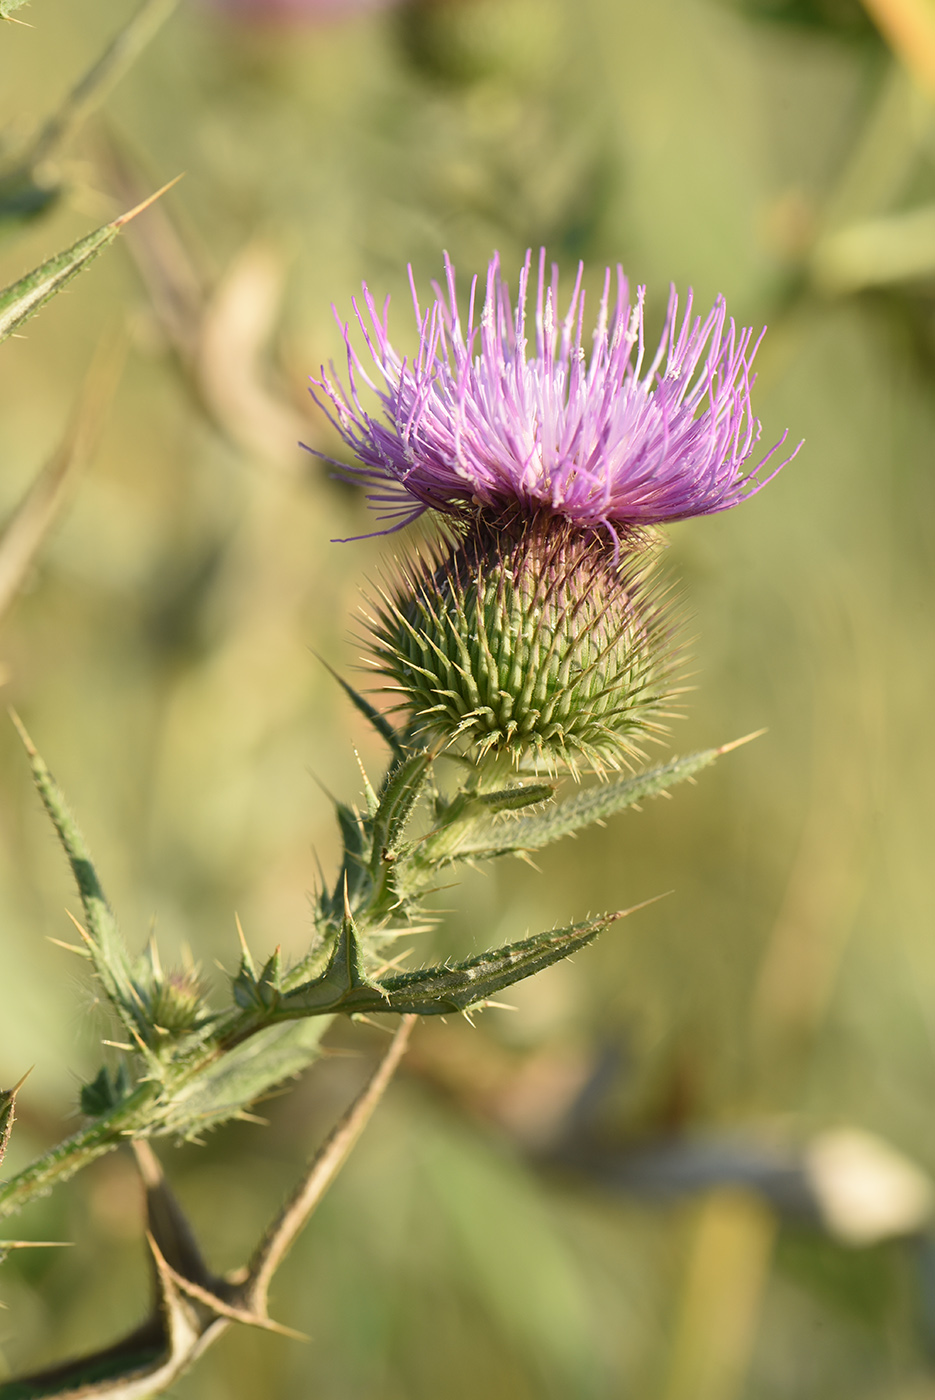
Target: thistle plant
531 641
537 631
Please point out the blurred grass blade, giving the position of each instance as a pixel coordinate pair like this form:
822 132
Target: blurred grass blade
36 513
594 804
22 299
221 328
908 26
28 187
34 1244
105 944
91 90
176 282
8 6
877 252
322 1170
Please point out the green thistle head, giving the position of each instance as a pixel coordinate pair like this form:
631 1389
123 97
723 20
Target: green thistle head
526 637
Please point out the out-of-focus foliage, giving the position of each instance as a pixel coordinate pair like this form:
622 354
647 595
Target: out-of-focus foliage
843 18
161 656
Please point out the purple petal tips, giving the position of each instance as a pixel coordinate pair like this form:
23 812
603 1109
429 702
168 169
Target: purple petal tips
476 420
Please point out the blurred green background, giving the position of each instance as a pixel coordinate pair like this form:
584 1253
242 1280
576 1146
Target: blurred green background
161 654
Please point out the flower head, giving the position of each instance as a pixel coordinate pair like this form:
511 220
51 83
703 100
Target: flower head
607 441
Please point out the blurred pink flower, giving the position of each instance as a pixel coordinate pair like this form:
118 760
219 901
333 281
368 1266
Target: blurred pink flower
278 12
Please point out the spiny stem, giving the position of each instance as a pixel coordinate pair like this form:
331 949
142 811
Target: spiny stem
68 1157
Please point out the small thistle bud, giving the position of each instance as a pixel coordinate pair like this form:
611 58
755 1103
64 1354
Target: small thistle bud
527 636
177 1001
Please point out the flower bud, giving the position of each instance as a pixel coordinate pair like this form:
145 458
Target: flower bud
176 1003
525 636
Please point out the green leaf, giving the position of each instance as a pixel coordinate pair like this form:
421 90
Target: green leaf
102 937
23 299
437 991
253 993
105 1091
8 6
354 876
343 976
506 835
398 796
241 1076
512 798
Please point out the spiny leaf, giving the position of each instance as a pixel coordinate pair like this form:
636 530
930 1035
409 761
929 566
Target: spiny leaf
267 985
512 798
437 991
8 1113
588 805
399 793
105 1091
354 869
254 993
343 976
380 723
240 1076
108 951
22 299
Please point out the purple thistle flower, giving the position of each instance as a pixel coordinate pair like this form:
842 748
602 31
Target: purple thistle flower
475 421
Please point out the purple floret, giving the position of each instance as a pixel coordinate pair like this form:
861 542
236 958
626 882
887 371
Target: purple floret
475 420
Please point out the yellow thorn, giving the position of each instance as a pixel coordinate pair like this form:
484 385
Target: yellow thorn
140 208
81 929
736 743
69 947
20 727
644 904
154 961
240 934
36 1244
11 1093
